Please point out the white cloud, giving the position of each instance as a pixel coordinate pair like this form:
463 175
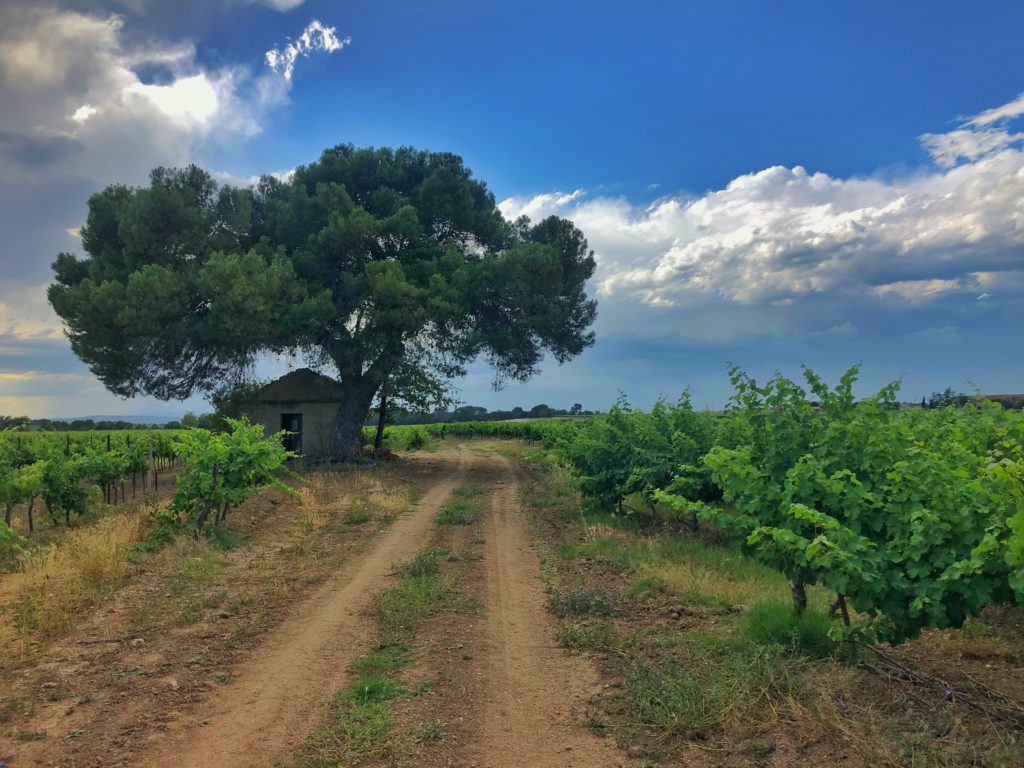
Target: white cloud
977 136
226 177
782 235
1007 111
194 98
947 149
315 37
918 290
282 5
83 113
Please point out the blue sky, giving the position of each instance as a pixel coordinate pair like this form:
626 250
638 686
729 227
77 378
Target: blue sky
762 183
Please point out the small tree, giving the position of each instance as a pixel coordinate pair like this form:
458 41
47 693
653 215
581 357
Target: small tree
224 469
62 485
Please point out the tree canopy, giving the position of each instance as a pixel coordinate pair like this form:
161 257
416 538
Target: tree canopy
358 260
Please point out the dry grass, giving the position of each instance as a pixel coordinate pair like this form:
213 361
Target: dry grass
55 582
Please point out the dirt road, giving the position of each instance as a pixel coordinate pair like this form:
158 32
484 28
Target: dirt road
277 696
518 695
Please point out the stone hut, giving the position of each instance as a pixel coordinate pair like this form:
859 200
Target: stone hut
303 402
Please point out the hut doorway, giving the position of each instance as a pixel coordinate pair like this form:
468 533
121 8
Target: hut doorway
292 423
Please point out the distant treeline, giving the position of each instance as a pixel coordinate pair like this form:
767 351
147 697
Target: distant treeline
479 413
78 425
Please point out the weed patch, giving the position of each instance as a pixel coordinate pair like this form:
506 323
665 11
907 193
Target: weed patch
645 585
362 727
581 636
582 601
719 680
463 508
357 516
775 623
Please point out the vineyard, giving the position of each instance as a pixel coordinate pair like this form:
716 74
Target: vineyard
65 477
913 518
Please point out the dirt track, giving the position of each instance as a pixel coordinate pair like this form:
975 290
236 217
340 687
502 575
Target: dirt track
520 695
278 694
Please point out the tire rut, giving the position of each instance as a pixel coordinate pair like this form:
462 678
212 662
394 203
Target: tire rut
531 690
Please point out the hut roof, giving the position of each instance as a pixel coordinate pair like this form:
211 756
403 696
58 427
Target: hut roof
300 386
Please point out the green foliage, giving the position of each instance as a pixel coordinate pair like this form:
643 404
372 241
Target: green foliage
625 452
224 469
63 490
908 514
10 544
415 438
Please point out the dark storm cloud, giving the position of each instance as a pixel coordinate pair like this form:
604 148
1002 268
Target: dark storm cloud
35 150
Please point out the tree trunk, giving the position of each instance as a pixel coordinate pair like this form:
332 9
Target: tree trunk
796 585
378 440
31 503
8 508
841 600
207 505
348 425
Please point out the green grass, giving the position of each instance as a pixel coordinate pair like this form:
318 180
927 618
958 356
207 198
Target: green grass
463 509
585 635
362 726
373 687
197 569
388 659
711 681
427 732
423 564
645 585
775 623
357 516
398 610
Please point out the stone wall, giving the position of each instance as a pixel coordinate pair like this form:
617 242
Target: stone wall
317 423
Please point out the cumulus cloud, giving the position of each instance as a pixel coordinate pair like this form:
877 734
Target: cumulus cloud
315 37
83 113
91 99
88 104
781 236
282 5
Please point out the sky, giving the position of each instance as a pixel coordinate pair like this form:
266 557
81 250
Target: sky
763 183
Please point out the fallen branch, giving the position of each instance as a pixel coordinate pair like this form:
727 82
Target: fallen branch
984 699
